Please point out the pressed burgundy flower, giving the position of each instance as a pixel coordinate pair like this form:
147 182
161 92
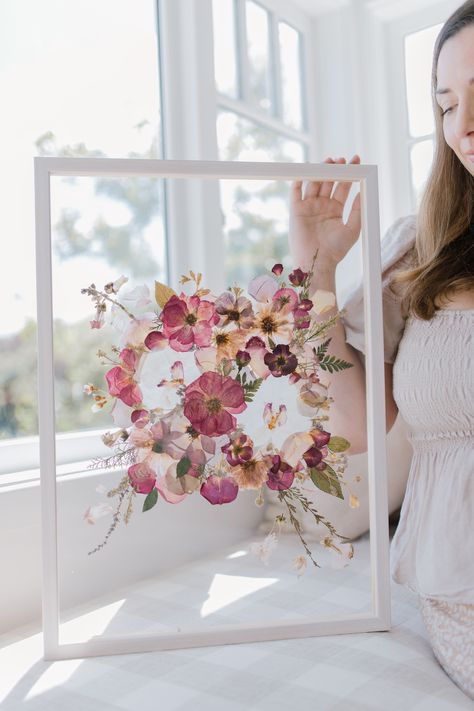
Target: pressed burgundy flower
313 456
242 358
297 277
219 490
188 321
211 401
142 477
277 269
302 319
281 361
305 304
280 475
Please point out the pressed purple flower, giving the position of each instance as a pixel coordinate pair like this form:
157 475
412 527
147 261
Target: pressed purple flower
238 450
281 361
281 475
219 490
297 277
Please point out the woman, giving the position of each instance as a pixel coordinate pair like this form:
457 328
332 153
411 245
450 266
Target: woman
428 306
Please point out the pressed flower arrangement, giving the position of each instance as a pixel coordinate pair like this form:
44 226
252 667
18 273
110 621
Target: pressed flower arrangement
188 390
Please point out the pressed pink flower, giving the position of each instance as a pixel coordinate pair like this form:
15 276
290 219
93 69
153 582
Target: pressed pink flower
97 323
277 269
242 358
98 511
280 475
140 418
285 300
188 321
219 490
142 477
239 449
257 350
234 310
165 484
210 402
141 438
156 341
120 380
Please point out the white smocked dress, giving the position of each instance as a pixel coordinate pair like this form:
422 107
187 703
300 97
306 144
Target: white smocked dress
432 550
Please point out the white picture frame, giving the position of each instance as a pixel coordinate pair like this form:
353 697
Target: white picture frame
379 618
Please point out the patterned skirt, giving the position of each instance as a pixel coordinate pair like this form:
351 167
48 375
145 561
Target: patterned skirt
450 628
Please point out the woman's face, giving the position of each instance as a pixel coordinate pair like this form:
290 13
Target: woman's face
455 94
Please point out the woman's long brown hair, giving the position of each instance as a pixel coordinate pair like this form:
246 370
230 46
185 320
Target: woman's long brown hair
443 253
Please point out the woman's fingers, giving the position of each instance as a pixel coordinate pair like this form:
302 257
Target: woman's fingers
354 219
295 193
343 188
314 187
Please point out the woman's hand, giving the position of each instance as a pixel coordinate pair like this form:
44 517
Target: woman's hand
316 222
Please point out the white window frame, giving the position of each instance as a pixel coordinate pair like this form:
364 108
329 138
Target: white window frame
379 616
397 30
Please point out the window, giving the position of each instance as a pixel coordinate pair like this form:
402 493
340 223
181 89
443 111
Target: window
78 79
259 72
418 49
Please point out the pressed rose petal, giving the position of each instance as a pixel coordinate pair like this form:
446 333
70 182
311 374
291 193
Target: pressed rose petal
156 341
142 477
219 490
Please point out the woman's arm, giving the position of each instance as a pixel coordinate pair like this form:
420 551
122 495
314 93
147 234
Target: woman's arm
316 223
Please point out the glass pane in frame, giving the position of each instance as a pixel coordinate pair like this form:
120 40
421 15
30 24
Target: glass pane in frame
218 576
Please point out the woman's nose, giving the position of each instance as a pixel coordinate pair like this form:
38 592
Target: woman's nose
465 118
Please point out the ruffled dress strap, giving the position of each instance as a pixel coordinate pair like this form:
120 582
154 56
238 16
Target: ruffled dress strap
396 249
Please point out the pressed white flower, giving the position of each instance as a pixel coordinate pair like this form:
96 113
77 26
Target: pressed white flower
263 550
98 511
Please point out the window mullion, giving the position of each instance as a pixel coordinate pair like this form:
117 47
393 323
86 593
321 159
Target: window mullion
242 53
275 65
